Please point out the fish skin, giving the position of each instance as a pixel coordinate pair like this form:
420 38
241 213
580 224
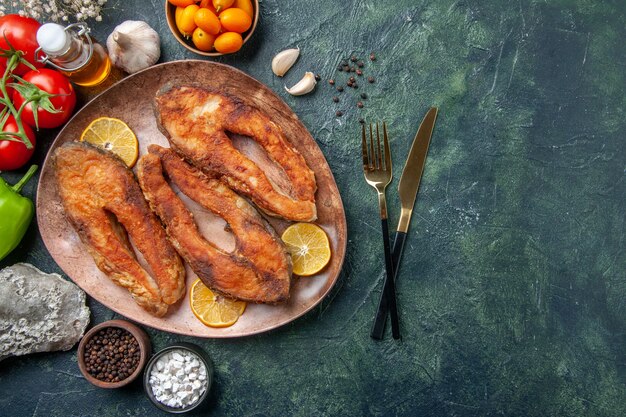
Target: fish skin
105 204
195 119
258 270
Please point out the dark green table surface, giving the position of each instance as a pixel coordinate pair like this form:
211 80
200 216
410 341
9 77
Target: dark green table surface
512 287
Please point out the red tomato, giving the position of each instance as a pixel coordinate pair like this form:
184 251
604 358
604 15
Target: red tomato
14 155
52 82
21 33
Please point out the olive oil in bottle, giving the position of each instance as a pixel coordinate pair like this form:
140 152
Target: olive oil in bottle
72 51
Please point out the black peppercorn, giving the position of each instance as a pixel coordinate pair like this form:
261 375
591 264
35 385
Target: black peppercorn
353 58
360 64
370 79
363 96
359 72
317 77
103 355
361 120
331 82
372 57
339 88
339 113
359 104
336 99
339 67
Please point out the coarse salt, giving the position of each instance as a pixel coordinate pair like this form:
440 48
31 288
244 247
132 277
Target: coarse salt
174 387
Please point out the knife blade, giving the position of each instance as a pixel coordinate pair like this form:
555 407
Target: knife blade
407 191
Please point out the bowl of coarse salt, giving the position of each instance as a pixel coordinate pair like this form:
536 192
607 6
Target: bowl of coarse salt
178 378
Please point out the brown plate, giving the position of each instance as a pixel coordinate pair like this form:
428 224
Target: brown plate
132 101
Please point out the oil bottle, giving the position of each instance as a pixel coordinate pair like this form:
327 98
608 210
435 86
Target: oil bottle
73 52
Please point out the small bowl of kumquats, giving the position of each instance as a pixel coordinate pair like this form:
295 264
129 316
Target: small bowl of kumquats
212 27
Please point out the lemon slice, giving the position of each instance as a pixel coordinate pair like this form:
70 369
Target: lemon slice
113 135
213 309
308 246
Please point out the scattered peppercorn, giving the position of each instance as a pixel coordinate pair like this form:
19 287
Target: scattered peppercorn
112 355
361 120
317 77
357 66
331 82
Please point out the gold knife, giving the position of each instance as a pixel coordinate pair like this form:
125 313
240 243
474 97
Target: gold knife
407 190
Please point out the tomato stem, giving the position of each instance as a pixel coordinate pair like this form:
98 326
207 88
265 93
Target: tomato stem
15 58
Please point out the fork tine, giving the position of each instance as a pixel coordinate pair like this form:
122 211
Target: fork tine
388 166
372 153
379 154
366 162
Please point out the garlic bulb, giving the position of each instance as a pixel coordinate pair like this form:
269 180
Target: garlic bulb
134 46
305 85
284 60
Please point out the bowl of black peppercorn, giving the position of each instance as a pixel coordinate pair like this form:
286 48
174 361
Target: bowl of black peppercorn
113 354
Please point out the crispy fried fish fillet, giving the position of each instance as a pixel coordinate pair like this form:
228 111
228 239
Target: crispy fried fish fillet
195 119
99 193
259 269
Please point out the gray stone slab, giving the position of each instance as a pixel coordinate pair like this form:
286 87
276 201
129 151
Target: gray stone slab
39 312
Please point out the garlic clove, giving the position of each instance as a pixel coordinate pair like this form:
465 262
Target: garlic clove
304 86
284 60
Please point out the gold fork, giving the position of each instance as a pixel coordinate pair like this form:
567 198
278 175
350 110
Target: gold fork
377 170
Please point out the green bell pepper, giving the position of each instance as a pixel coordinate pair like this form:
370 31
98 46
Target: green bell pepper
16 213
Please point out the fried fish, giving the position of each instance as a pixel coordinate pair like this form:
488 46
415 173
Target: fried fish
258 270
195 121
104 203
